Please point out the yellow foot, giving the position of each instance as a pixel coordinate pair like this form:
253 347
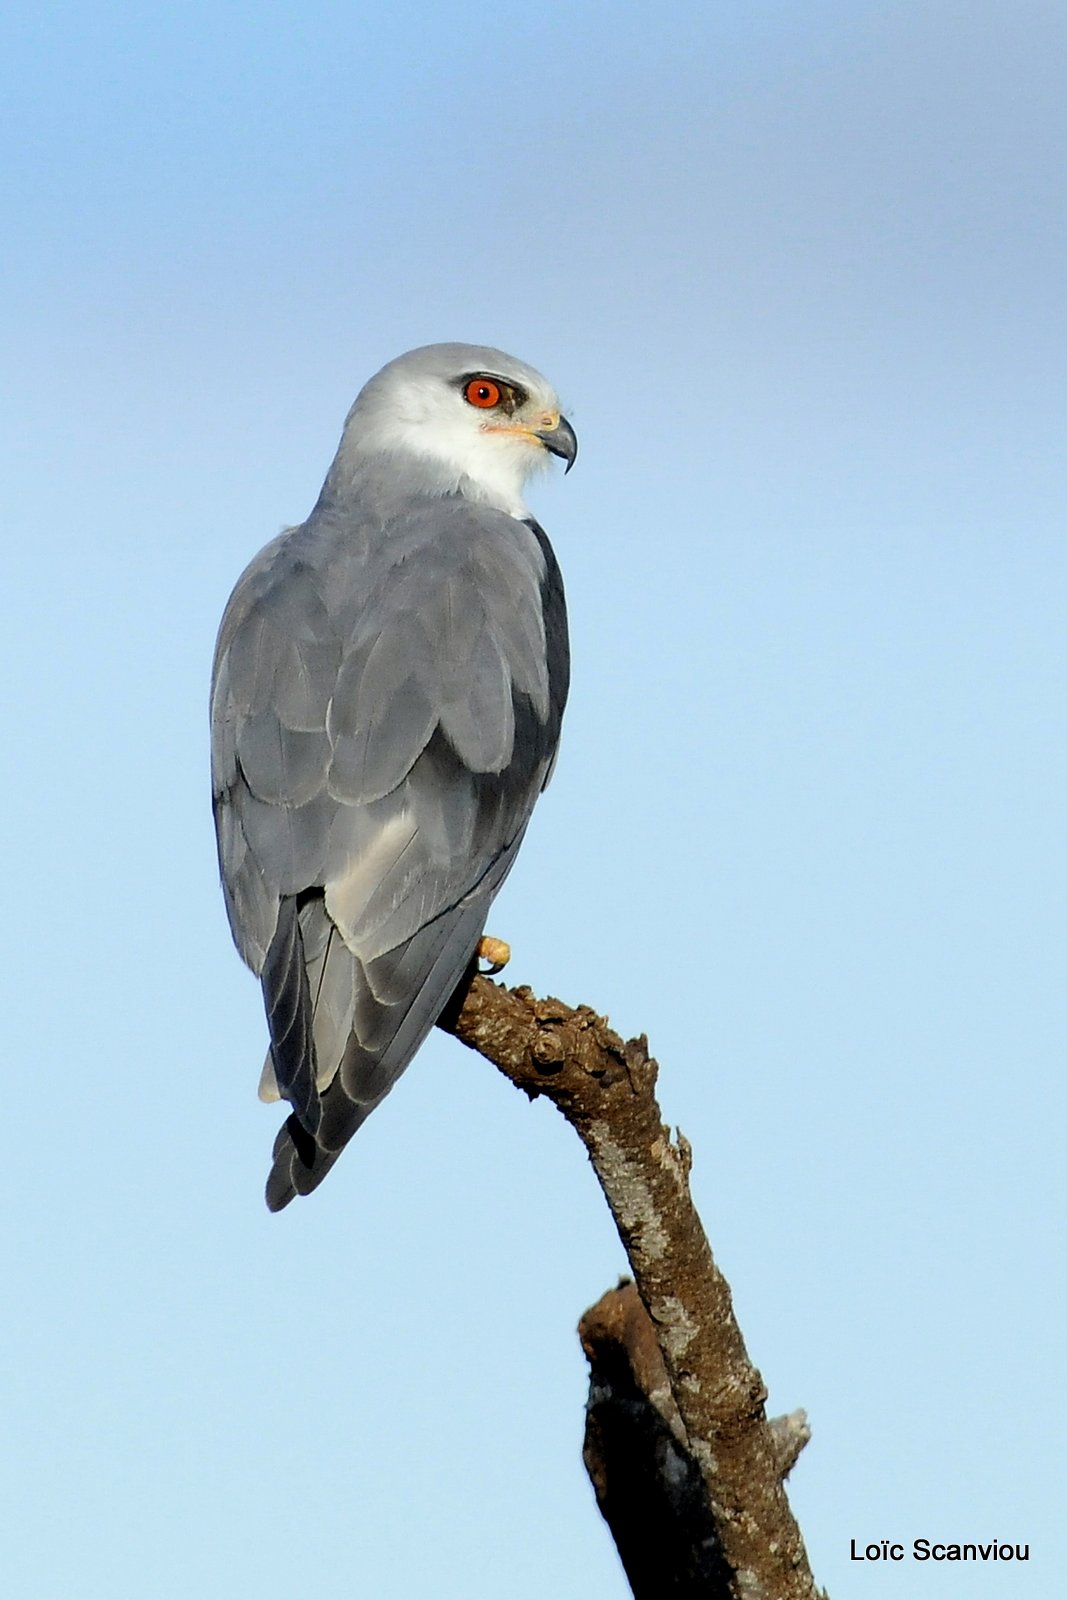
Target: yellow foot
496 953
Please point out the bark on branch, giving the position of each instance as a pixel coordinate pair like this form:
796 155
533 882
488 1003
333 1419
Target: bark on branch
605 1087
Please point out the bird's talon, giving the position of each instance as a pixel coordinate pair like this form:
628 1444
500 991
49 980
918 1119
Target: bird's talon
495 953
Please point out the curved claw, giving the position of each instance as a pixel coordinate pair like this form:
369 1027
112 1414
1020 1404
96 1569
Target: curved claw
495 952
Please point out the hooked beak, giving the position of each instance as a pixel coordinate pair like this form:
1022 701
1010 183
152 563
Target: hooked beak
561 440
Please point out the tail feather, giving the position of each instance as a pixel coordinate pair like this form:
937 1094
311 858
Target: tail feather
434 960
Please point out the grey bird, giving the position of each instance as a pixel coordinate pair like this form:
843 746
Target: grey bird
388 688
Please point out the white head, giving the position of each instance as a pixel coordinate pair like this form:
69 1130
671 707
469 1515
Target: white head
461 417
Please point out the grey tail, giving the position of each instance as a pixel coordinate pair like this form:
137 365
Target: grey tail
298 1164
287 999
422 973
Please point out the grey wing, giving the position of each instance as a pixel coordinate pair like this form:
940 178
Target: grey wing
382 729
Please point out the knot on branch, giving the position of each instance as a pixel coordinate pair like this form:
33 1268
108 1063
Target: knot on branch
791 1434
571 1054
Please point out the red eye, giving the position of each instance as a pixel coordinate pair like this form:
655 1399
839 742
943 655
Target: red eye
483 392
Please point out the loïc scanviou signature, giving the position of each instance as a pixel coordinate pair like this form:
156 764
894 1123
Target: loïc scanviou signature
932 1550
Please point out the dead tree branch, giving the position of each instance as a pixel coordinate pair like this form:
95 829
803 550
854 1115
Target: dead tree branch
605 1088
649 1487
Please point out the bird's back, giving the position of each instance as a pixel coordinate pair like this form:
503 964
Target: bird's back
388 688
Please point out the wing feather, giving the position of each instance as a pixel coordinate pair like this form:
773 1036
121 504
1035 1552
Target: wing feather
287 1001
281 765
478 715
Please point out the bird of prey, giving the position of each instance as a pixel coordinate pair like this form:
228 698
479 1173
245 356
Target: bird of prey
387 693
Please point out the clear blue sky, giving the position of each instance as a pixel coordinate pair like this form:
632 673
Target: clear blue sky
799 273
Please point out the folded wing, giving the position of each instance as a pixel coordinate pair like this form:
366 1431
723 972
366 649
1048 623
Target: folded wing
386 708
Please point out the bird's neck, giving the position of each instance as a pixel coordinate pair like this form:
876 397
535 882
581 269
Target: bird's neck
373 471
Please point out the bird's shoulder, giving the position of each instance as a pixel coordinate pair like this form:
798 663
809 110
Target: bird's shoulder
325 572
408 546
437 607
